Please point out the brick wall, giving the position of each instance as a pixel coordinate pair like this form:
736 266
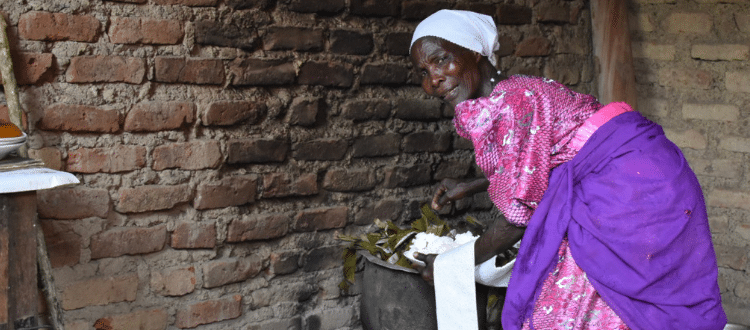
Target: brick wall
222 145
691 61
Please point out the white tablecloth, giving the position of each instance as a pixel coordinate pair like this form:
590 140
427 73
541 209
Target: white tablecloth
30 179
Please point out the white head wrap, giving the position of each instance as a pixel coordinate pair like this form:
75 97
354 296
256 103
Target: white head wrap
467 29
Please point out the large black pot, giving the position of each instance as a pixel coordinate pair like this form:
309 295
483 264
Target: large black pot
395 298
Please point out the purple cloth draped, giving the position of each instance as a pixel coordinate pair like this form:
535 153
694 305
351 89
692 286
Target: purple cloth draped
636 222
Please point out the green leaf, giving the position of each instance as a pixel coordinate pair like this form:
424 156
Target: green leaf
473 221
403 262
420 224
373 237
350 264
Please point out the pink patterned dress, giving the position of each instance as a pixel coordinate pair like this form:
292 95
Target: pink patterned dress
525 128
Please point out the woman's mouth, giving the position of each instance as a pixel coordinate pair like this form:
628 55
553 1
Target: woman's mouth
450 95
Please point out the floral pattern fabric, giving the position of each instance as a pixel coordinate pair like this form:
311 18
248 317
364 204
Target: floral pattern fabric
520 133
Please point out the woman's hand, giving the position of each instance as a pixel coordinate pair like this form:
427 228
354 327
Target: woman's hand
426 271
451 190
448 191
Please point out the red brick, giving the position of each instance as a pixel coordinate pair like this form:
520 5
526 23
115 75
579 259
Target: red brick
73 203
452 169
419 10
349 179
174 281
735 143
319 6
99 291
39 25
152 198
304 111
288 294
398 43
565 68
209 311
384 74
293 38
321 218
194 235
260 227
79 118
128 241
89 69
172 69
407 176
686 77
389 209
482 8
284 185
193 155
326 74
4 115
250 4
133 30
534 46
322 259
108 160
731 256
375 8
322 149
189 3
377 145
63 244
418 109
248 71
351 42
223 34
29 68
284 262
737 81
689 23
51 156
230 191
729 199
361 110
427 142
278 324
513 15
687 139
256 150
225 113
159 116
230 270
556 13
155 319
718 224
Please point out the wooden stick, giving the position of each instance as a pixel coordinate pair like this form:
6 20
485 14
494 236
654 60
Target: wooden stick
45 270
9 81
611 39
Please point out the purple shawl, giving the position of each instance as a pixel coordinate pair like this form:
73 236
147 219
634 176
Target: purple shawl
636 222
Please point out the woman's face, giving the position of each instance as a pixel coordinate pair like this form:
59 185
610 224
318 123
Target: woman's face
448 71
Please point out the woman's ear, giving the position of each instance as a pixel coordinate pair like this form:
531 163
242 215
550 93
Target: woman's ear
477 57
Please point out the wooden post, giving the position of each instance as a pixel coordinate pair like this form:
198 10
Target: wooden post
9 81
18 215
611 40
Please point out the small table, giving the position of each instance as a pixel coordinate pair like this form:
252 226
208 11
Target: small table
20 178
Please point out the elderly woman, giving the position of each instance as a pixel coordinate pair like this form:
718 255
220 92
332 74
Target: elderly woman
615 231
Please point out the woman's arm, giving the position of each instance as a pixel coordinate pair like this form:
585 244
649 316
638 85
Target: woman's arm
498 238
452 190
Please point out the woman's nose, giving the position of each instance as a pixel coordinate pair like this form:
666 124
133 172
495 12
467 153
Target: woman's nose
436 78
